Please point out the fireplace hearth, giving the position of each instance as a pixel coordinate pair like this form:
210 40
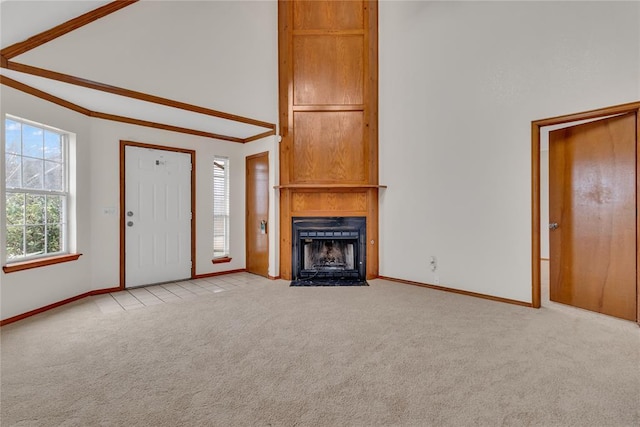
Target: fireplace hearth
328 251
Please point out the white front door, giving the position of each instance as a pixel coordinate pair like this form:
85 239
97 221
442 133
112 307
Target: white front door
157 216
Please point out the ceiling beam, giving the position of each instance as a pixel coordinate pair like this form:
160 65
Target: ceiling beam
78 81
260 136
163 126
64 28
38 40
112 117
43 95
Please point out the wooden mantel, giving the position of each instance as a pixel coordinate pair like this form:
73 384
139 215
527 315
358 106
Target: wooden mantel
327 186
328 71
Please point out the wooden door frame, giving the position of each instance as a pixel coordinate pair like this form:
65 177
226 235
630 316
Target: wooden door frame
536 127
246 216
192 153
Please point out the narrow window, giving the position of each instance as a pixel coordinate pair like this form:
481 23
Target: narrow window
36 190
220 207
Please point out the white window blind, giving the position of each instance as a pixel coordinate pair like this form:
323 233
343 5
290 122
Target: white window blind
220 207
36 190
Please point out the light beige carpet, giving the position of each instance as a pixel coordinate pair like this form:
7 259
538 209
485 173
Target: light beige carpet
387 354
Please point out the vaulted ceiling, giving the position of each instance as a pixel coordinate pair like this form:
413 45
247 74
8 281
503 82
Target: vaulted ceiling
205 68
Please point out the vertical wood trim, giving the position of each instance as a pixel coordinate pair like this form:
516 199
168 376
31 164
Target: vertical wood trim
192 153
535 216
122 214
371 88
285 59
637 217
193 213
285 234
372 234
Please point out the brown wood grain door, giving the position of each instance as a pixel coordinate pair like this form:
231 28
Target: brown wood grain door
592 199
257 193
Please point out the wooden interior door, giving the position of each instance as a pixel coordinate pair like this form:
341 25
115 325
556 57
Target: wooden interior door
257 193
592 199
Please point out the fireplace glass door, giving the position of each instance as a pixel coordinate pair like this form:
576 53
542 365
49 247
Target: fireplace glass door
330 248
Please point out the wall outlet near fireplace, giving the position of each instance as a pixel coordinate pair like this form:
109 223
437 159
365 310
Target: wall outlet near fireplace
433 263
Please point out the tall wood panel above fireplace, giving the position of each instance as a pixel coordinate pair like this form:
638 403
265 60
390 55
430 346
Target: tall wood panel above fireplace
328 70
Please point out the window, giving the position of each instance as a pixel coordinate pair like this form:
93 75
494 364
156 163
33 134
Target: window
220 207
37 192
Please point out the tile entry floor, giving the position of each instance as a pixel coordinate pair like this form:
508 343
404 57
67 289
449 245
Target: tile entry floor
135 298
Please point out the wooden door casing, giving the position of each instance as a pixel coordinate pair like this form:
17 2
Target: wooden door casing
592 198
257 202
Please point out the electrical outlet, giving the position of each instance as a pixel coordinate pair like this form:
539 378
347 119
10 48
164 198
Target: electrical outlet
433 263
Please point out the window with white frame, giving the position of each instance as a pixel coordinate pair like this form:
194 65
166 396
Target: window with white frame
36 190
220 207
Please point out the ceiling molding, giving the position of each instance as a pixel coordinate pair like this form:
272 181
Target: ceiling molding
38 40
43 95
7 81
141 96
64 28
260 136
163 126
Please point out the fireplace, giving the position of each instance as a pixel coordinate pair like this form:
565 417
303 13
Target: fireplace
328 251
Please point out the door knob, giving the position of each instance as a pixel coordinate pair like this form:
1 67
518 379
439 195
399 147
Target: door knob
130 223
553 225
129 213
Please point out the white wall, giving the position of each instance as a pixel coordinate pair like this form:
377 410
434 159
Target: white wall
30 289
460 83
105 139
97 171
216 54
220 55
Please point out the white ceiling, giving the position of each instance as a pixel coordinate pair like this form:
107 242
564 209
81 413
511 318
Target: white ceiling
174 49
23 19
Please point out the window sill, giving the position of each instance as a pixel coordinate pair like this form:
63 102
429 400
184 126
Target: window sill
221 260
40 262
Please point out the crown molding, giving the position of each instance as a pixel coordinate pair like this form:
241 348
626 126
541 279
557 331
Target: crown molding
38 40
141 96
7 81
64 28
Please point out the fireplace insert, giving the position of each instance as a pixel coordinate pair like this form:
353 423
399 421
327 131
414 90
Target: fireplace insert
328 251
